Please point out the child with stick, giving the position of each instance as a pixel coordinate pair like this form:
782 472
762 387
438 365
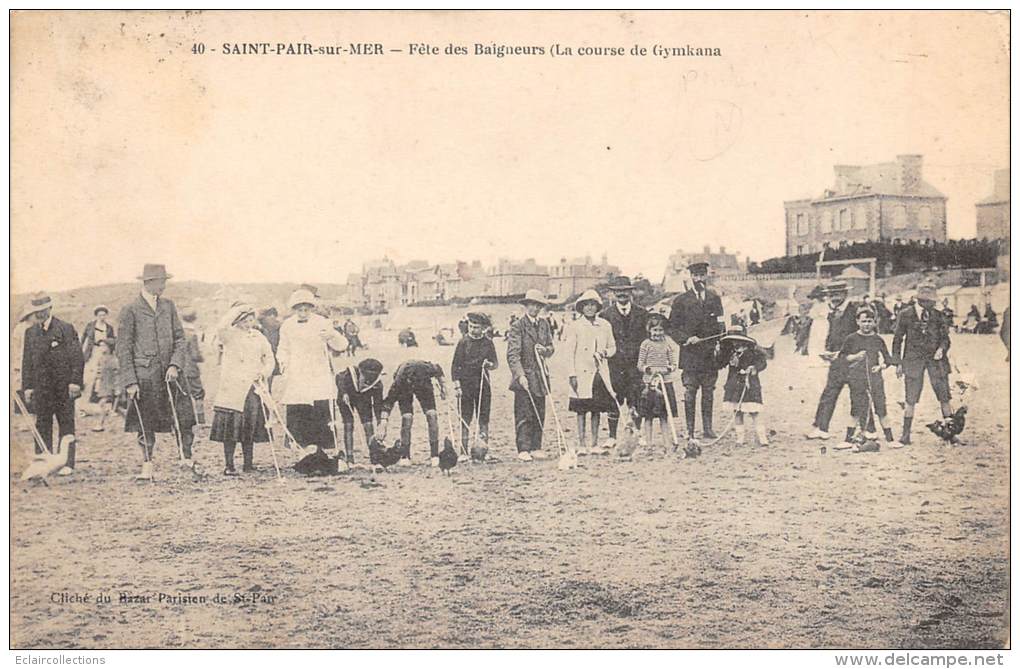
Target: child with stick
867 355
742 391
473 358
239 415
658 358
360 389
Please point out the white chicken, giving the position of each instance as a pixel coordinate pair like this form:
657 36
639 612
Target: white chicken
44 464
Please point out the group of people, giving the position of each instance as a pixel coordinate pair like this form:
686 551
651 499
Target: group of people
622 361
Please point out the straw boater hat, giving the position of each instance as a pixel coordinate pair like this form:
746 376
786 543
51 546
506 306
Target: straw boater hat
100 307
534 295
152 271
836 287
299 297
36 303
478 319
589 295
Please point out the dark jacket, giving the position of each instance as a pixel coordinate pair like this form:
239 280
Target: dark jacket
520 353
88 337
842 323
149 340
52 359
468 358
916 340
628 332
690 317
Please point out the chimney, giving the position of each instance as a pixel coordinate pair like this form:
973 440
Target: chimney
708 249
845 175
910 172
722 250
1002 183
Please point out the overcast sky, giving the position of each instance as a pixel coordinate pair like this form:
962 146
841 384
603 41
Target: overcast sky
127 148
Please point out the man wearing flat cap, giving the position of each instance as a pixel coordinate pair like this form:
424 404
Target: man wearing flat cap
841 322
52 370
628 321
528 338
921 344
695 323
151 354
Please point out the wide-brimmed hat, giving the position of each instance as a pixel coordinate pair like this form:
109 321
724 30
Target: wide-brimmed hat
534 295
589 295
153 271
38 302
927 291
100 307
737 334
478 318
238 311
300 296
618 283
188 314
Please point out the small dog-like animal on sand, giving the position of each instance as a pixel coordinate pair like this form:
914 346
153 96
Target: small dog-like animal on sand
479 453
448 456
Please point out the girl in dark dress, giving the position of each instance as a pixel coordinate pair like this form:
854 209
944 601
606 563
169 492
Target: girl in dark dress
742 391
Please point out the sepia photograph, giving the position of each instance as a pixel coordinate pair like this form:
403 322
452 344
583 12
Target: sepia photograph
504 330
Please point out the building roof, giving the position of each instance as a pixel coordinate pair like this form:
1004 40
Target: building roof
878 179
852 272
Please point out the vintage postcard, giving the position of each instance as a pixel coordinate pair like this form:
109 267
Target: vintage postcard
510 329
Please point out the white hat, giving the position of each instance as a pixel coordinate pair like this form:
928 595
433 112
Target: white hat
299 297
534 295
590 295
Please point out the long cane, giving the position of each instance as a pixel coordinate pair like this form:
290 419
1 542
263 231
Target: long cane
561 440
612 393
269 430
478 405
35 432
669 411
733 418
275 411
177 422
449 420
145 446
332 405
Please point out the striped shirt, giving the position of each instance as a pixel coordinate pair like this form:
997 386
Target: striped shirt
661 356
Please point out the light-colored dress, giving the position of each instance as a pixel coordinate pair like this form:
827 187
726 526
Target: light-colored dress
305 360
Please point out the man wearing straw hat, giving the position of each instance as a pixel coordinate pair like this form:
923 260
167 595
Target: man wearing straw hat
52 370
151 353
528 338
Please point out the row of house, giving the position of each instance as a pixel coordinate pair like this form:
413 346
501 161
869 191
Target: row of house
886 201
385 284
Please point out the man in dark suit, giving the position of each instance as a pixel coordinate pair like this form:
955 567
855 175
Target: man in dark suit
528 338
52 370
151 354
920 344
842 321
629 321
695 323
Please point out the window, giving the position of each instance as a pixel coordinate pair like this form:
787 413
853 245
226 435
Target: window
802 228
899 217
924 218
826 225
844 219
861 217
800 247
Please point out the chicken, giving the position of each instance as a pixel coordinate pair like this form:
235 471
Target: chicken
479 453
47 463
568 460
625 448
448 456
950 426
382 456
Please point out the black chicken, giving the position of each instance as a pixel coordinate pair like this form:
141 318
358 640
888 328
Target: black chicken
384 457
950 426
448 456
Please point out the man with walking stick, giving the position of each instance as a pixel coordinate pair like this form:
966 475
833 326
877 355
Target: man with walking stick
52 370
696 323
151 353
528 338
